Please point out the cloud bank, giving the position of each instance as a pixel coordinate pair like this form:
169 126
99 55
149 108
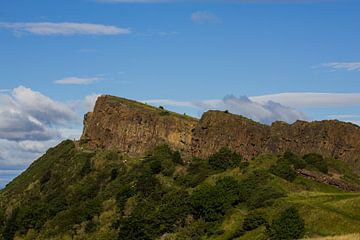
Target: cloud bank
347 66
78 80
266 112
64 28
311 99
30 123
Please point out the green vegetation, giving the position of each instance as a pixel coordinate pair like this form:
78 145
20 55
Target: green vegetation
289 225
224 159
73 194
316 161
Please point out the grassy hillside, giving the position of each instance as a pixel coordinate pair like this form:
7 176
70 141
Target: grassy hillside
73 194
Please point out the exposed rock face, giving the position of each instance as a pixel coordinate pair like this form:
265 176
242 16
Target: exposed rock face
217 129
134 127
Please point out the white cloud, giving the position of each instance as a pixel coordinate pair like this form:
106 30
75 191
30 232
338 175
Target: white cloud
29 115
78 80
204 17
30 123
42 107
311 99
64 28
134 1
267 112
347 66
90 101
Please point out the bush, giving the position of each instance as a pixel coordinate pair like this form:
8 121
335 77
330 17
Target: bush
163 160
112 156
316 161
211 202
256 192
289 225
224 159
284 170
293 159
197 171
252 221
263 196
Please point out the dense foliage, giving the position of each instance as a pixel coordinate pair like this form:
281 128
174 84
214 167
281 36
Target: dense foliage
71 193
316 161
289 225
224 159
287 165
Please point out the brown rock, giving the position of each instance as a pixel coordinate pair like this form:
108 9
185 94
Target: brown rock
134 128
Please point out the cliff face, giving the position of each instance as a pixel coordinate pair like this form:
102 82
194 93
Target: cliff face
134 127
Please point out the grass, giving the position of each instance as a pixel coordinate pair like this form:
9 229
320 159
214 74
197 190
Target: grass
326 210
355 236
149 107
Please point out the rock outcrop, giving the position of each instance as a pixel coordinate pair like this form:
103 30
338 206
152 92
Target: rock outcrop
133 127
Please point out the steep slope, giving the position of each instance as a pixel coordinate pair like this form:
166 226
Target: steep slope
77 194
133 127
121 182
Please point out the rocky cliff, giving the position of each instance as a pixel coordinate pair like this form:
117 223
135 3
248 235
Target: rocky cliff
133 127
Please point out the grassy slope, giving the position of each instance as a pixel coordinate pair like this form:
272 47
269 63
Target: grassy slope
140 105
327 211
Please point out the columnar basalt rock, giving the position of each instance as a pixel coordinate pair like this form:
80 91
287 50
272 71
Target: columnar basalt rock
134 128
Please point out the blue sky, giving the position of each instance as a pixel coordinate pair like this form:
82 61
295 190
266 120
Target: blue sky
268 60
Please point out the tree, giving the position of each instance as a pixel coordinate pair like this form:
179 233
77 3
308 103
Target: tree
316 161
224 159
252 221
289 225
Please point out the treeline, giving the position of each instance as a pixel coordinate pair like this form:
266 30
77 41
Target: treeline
159 196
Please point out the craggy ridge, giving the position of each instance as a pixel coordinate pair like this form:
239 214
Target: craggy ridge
133 128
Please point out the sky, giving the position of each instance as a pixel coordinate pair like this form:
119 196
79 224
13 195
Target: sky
268 60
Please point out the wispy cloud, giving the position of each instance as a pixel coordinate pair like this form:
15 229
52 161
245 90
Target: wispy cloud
347 66
64 28
204 17
135 1
267 112
267 108
312 99
78 80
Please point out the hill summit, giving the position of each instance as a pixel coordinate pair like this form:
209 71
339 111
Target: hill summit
143 173
134 128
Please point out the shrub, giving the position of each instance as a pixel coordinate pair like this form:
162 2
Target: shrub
146 184
112 156
256 192
113 174
289 225
252 221
211 202
293 159
164 113
284 170
224 159
316 161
